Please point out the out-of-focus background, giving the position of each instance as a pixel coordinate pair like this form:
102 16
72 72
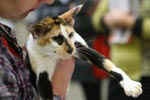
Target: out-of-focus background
128 48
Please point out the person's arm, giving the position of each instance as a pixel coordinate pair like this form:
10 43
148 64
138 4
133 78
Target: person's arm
97 19
145 19
140 26
146 28
62 77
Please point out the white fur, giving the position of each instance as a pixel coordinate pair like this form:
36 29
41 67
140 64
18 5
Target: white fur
44 58
41 62
131 87
76 37
40 59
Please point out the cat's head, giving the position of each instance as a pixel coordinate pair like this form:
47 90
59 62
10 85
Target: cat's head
57 35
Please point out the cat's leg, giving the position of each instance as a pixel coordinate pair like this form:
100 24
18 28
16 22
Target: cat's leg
131 88
44 86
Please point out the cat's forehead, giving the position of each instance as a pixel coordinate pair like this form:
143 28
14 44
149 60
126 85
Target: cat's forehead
53 21
55 24
51 27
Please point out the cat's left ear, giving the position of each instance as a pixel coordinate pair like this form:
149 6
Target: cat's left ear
41 28
69 15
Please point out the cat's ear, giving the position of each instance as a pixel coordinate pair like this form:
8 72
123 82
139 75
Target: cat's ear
41 28
69 15
38 30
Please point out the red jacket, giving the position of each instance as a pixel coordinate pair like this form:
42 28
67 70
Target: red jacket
101 45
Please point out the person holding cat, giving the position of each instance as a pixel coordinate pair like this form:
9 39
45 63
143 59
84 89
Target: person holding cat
15 83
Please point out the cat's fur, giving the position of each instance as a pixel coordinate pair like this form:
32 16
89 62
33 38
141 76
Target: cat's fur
53 39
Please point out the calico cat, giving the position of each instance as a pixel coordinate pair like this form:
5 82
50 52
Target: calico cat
53 39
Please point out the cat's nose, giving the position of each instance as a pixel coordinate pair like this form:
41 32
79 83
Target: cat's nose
69 48
78 44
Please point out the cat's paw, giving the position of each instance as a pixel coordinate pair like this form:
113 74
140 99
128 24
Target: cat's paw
131 88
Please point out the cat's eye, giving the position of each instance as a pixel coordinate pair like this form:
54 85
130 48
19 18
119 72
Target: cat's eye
71 35
59 39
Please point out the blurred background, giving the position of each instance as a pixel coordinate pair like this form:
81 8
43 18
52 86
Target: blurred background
120 30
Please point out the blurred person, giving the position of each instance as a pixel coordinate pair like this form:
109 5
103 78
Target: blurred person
15 78
128 54
140 28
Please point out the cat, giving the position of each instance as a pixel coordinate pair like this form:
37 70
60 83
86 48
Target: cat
53 39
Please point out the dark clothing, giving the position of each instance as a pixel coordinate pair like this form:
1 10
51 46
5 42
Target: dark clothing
116 92
91 90
14 73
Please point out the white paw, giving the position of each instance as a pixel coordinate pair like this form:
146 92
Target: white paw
131 88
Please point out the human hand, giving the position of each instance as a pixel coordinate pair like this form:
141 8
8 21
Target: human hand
117 18
62 76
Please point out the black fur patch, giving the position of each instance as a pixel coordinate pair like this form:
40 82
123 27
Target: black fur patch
45 87
96 58
91 54
69 48
59 39
59 21
116 75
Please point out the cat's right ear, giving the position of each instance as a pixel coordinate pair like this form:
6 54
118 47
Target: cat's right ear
69 15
